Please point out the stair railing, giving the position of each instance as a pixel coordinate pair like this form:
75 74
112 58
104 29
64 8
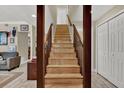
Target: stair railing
48 45
78 45
78 48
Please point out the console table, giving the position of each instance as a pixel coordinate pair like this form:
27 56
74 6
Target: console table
32 70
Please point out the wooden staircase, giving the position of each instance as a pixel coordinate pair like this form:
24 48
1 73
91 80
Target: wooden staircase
63 65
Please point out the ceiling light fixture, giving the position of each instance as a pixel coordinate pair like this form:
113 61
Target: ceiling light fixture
34 15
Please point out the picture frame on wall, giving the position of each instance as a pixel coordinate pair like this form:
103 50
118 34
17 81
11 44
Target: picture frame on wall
12 40
3 38
24 28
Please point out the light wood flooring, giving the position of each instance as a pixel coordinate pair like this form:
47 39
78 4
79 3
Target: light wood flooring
22 82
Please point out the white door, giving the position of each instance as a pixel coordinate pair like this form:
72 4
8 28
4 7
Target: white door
116 50
110 54
102 49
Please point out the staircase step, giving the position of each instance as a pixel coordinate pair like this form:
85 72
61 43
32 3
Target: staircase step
63 69
62 35
61 25
62 41
62 31
63 79
70 75
62 45
58 41
68 57
62 50
62 38
62 55
63 61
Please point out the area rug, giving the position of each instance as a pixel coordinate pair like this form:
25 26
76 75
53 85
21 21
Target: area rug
6 78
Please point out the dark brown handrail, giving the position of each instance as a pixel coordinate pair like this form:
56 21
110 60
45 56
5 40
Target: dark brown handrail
78 48
70 23
78 45
48 45
76 33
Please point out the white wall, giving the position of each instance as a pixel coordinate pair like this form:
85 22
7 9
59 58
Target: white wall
76 16
77 13
62 15
94 47
48 18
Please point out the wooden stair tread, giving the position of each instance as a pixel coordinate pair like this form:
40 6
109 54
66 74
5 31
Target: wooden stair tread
62 43
63 66
68 58
62 47
62 53
64 76
62 59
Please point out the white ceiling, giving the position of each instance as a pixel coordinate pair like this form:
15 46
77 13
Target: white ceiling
99 10
16 13
23 13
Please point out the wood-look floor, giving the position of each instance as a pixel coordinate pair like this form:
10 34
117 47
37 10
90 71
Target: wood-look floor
100 82
22 82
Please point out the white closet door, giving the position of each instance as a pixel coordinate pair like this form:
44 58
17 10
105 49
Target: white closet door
110 54
102 49
116 50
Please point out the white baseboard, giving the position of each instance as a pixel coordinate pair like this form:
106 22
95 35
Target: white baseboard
94 70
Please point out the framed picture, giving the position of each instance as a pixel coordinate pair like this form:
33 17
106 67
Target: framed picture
24 28
3 38
12 40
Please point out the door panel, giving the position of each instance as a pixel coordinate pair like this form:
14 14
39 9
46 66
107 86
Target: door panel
110 45
102 49
116 50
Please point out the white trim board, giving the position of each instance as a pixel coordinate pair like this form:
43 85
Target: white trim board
111 17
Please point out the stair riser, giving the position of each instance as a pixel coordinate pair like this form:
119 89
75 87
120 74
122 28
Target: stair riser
62 55
62 36
61 70
68 38
62 45
62 31
62 50
58 41
62 27
63 81
63 62
61 41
